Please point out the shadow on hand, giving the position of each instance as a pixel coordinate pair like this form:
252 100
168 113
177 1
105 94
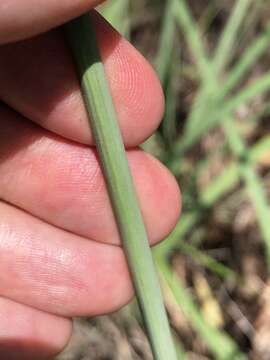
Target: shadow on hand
12 349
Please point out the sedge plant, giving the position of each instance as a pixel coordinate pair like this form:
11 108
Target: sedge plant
104 125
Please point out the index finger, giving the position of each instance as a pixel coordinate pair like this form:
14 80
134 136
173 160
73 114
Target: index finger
20 19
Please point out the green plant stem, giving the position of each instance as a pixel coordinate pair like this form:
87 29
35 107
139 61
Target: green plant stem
220 344
254 185
99 105
166 43
117 13
207 261
217 108
185 20
247 60
197 128
226 45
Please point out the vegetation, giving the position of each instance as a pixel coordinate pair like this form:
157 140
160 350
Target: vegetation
213 61
104 125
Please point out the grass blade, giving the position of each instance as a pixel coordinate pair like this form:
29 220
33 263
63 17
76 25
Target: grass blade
207 261
184 18
206 111
247 60
205 70
117 14
220 344
111 150
258 87
227 41
254 185
163 61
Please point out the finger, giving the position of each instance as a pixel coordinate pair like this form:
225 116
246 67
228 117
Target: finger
26 333
20 19
62 183
57 272
37 78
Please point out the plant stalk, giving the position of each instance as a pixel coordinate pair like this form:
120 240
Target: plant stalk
105 129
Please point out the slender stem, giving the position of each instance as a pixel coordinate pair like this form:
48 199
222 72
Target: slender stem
253 182
166 43
246 61
98 101
221 345
228 40
184 18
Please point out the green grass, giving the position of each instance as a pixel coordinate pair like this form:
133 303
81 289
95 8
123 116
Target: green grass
226 83
104 124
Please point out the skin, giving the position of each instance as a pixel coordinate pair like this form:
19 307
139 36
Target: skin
59 246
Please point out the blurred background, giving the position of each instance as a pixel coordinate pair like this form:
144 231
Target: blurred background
213 59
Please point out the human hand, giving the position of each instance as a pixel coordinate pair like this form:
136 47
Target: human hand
58 257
